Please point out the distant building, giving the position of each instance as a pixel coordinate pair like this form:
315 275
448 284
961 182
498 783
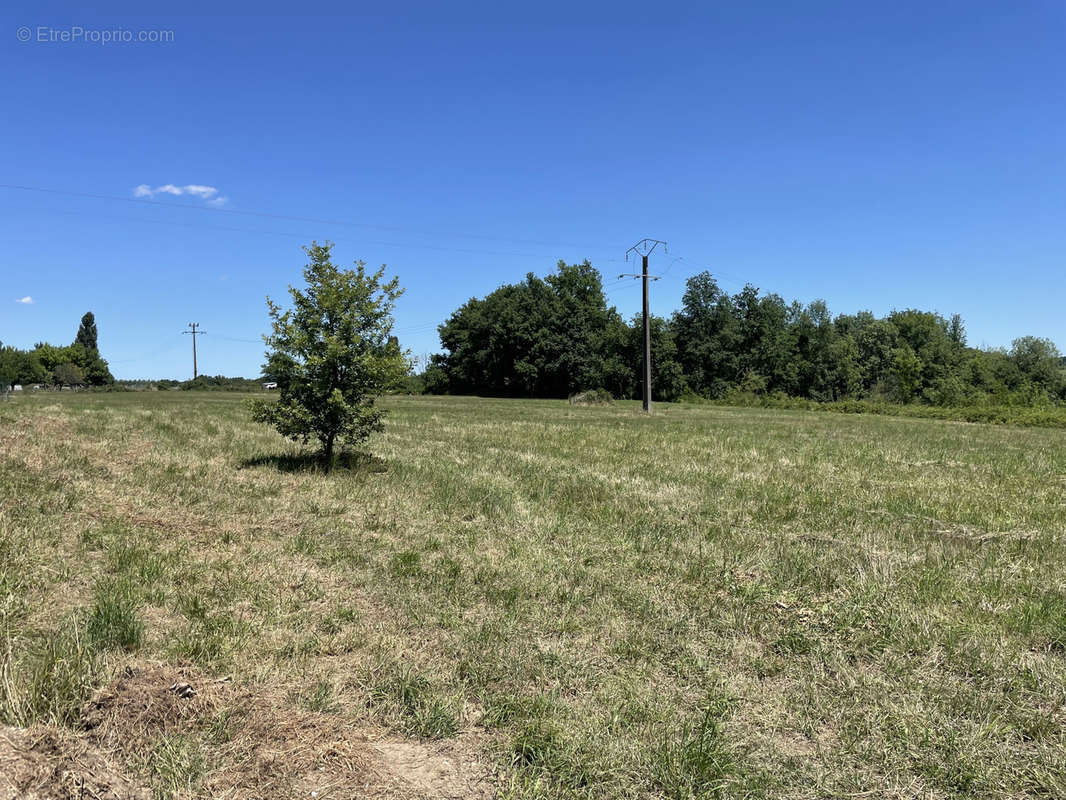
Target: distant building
270 385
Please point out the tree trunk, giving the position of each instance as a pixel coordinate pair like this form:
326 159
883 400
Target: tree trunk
328 452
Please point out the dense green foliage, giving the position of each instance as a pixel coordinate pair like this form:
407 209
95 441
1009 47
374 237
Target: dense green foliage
539 338
206 383
75 364
221 383
552 337
87 333
332 354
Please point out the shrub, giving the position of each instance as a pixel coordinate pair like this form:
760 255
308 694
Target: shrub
593 397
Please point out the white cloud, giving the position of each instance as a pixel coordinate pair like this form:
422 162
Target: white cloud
205 192
208 193
218 201
27 300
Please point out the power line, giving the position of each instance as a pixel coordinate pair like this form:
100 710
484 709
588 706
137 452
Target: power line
425 328
417 329
235 339
259 232
296 218
629 285
164 349
700 265
644 248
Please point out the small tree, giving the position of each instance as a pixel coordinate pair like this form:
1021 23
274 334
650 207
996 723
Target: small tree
332 354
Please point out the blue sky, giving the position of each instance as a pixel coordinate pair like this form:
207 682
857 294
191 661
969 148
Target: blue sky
877 155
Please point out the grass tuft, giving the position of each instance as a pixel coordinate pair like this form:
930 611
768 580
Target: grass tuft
177 765
701 762
113 623
318 698
49 677
422 710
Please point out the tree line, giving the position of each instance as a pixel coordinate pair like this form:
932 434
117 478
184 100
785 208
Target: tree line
555 336
76 364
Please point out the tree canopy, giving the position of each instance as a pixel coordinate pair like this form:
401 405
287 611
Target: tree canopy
75 364
540 338
555 336
86 336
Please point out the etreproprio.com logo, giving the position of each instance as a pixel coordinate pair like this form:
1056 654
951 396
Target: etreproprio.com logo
77 34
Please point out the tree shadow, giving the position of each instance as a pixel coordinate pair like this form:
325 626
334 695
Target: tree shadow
355 462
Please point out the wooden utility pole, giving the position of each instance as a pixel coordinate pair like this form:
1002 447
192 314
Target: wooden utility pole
644 248
192 329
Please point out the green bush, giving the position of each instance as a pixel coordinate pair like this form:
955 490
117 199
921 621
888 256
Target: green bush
593 397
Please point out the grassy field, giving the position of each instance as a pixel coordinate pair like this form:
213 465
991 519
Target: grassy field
710 602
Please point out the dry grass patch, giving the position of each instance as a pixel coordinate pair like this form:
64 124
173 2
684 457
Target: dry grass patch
50 764
164 731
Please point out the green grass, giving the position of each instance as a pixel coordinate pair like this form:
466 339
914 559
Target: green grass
46 676
113 622
710 602
419 709
990 413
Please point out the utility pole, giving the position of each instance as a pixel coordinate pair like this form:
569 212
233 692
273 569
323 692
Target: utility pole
644 248
193 326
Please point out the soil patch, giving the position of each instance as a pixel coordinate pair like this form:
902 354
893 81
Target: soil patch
247 746
46 764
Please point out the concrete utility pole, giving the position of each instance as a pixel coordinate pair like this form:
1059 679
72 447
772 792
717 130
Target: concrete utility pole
644 248
193 326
